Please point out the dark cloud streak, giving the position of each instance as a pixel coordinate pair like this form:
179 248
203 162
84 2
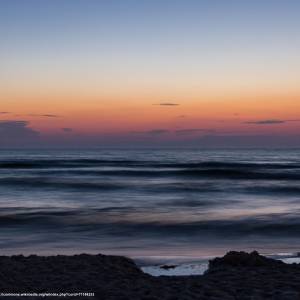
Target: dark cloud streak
45 115
17 132
167 104
152 132
270 121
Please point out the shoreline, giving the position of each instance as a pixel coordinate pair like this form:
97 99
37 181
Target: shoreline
187 265
237 275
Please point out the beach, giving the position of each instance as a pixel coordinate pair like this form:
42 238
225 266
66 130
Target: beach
237 275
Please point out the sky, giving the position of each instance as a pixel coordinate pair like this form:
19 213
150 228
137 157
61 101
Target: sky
159 73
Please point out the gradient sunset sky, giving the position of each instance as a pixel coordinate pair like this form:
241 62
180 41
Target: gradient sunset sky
149 73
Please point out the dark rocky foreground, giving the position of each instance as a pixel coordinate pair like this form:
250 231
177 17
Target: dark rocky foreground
235 276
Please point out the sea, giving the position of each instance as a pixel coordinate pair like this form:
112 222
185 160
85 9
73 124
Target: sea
157 206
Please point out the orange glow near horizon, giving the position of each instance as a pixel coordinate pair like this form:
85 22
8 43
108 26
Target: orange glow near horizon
227 113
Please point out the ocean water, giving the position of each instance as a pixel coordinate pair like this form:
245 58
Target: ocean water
149 204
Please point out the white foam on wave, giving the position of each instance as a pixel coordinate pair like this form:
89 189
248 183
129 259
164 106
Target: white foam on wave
179 270
174 266
291 260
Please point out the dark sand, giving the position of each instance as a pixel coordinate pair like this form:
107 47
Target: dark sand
236 276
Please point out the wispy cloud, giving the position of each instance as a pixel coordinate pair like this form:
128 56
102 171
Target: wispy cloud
157 131
167 104
186 131
50 116
152 132
4 112
270 121
45 115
